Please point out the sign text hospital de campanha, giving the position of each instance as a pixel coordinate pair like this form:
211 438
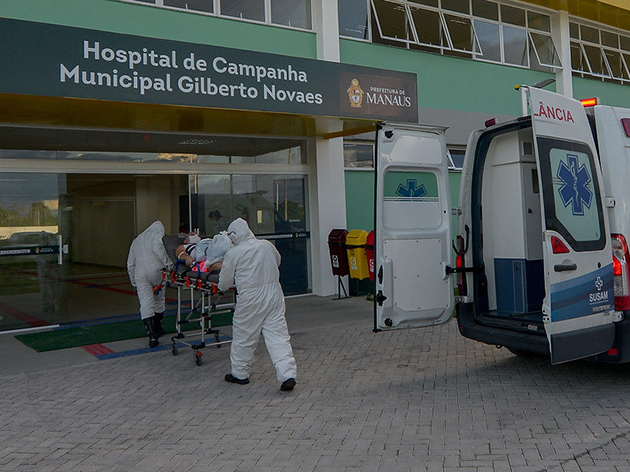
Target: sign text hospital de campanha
188 74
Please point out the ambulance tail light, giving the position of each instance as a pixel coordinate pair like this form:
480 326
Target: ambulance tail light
621 272
558 246
590 102
625 122
462 285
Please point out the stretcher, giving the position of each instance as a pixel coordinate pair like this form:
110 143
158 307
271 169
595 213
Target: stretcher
198 301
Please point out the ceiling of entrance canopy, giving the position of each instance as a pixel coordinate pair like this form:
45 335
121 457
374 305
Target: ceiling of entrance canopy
31 122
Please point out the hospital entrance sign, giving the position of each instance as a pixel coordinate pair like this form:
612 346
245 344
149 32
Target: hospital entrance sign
61 61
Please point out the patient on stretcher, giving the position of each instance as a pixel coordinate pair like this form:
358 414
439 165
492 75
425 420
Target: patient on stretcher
206 253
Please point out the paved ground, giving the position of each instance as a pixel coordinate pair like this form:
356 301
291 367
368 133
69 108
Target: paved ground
414 400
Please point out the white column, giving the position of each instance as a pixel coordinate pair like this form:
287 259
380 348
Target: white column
326 25
328 210
327 190
561 36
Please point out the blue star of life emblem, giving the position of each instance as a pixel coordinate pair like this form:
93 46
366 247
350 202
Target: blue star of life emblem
411 190
575 181
599 283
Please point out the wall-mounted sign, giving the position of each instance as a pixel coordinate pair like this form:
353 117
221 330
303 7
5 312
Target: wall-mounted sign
60 61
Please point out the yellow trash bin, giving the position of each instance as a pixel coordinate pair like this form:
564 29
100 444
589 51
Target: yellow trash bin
357 258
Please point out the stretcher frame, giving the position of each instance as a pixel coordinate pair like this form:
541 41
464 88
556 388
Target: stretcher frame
201 311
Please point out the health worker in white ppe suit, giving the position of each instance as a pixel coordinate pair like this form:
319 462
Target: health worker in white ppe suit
252 265
147 257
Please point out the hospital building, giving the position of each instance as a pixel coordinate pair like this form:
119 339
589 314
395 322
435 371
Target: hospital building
118 113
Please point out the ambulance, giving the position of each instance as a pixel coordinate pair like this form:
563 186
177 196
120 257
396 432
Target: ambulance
539 264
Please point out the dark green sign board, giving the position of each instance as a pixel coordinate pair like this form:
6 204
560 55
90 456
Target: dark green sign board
60 61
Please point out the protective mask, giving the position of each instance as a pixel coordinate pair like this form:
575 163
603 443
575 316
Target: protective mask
194 239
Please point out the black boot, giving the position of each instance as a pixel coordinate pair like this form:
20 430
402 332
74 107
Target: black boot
158 324
149 323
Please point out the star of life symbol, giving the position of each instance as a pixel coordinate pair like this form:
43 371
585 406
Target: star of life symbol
412 190
599 283
575 181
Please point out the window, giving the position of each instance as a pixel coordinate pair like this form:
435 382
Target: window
358 155
456 159
479 29
353 18
289 13
244 9
571 193
197 5
600 54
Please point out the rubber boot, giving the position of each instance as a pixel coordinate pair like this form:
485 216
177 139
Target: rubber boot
158 324
149 323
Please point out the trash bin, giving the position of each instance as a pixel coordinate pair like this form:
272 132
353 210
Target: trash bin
338 254
369 253
355 244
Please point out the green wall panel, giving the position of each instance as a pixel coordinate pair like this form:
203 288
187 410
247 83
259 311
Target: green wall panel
359 200
145 20
449 83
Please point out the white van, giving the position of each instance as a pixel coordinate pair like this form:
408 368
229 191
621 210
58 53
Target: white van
544 217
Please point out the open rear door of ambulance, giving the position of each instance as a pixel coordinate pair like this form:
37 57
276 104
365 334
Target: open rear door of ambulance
578 305
412 228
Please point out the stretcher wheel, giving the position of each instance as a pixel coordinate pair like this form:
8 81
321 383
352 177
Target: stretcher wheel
174 349
198 358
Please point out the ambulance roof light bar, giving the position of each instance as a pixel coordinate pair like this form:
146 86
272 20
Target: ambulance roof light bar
590 102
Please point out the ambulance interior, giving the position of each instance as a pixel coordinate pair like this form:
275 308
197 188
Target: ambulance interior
511 233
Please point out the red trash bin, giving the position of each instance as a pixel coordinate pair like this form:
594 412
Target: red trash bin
369 252
338 253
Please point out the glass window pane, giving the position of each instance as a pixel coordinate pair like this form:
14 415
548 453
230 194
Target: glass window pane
595 60
246 9
460 6
428 26
429 3
578 61
197 5
296 13
625 43
485 9
358 155
392 20
589 34
574 30
615 63
512 15
488 35
610 39
353 18
461 32
538 21
515 46
545 50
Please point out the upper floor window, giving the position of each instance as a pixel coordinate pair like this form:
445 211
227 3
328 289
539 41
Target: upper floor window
291 13
600 54
480 29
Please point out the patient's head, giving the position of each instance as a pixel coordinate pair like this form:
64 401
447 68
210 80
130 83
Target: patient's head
192 238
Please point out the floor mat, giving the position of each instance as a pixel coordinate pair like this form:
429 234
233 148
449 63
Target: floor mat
67 337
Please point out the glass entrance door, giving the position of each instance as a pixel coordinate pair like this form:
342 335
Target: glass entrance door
33 245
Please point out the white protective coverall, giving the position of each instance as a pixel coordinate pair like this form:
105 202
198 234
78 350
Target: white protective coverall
252 265
147 257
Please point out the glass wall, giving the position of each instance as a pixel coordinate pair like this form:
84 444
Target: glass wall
275 208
